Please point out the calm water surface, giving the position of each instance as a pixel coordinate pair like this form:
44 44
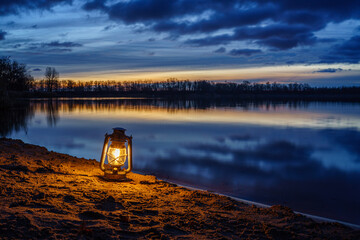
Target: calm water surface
305 155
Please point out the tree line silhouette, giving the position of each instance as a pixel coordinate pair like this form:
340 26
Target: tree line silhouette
14 77
175 86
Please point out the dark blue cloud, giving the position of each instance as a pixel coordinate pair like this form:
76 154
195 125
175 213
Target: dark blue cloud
278 25
210 41
219 20
61 44
63 34
334 11
8 7
220 50
143 11
276 36
151 11
327 40
95 5
348 52
2 35
52 47
244 52
150 53
329 70
109 27
36 70
11 24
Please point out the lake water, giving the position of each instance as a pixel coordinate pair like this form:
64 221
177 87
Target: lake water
305 155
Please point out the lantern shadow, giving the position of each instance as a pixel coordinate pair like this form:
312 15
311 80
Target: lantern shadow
125 179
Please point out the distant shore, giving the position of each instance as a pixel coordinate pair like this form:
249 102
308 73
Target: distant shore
48 195
169 95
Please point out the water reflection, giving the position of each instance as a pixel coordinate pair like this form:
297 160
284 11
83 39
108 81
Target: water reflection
282 114
302 154
96 104
50 107
272 171
16 118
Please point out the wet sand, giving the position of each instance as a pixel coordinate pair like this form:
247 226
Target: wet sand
48 195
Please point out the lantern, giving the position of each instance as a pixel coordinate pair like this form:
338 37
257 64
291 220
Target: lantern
117 154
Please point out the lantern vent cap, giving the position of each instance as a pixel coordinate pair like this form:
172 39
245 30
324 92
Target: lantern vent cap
119 129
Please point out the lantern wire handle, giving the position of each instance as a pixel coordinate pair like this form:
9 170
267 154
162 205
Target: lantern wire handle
129 155
103 154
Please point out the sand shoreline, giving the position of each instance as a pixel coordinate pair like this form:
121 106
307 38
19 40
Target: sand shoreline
262 205
49 195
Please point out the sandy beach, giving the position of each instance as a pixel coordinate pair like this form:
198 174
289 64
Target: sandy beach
48 195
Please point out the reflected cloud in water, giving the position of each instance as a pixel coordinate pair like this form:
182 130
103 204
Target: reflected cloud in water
302 154
275 172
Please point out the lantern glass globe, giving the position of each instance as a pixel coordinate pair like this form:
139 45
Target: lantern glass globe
117 154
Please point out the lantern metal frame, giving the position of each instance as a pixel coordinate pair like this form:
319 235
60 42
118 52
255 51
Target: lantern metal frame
116 173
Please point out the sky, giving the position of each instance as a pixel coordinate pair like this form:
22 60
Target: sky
315 42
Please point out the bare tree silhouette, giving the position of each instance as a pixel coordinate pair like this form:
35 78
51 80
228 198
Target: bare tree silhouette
51 78
13 77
